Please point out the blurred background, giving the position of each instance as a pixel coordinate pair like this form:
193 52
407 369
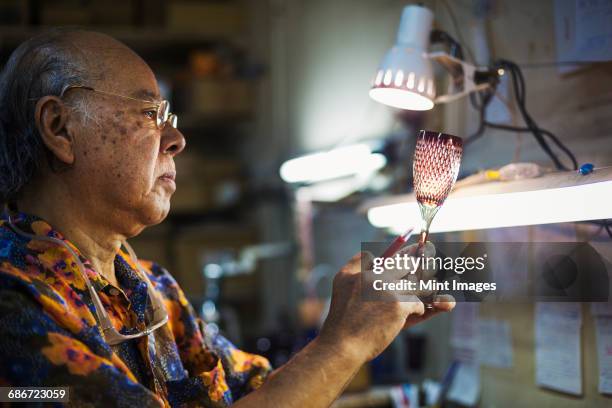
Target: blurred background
258 82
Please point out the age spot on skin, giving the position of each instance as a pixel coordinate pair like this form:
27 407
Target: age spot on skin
123 130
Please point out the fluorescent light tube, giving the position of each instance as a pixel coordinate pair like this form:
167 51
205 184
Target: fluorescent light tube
555 198
341 162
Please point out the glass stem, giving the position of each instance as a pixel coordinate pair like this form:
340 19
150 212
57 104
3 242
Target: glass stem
428 213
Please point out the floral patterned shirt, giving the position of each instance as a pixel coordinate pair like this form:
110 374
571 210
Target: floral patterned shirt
49 335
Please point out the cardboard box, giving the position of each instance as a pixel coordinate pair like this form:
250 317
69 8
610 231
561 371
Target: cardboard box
213 96
214 19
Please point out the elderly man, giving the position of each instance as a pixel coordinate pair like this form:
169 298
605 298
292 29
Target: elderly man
87 161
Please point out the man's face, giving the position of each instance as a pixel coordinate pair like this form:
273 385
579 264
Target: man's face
123 163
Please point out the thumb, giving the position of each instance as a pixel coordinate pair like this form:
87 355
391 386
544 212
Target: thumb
358 262
367 257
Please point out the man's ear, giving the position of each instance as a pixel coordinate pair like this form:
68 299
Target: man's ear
50 116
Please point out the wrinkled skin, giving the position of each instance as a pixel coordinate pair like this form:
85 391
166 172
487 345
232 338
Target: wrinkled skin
113 154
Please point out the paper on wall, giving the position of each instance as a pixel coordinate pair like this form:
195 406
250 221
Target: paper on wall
495 343
476 340
603 329
557 346
465 388
464 331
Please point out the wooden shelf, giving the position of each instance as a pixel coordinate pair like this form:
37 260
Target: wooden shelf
154 45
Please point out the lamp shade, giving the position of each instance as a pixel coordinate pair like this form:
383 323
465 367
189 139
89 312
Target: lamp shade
405 77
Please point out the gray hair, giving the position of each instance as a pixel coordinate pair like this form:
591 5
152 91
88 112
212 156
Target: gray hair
42 65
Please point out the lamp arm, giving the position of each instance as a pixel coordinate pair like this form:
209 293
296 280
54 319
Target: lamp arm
466 78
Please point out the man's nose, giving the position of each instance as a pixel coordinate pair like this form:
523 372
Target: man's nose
172 142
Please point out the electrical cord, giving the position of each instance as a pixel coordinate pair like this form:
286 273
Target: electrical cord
541 135
548 133
605 224
481 106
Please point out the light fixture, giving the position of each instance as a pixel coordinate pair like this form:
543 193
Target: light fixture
334 190
405 77
557 197
340 162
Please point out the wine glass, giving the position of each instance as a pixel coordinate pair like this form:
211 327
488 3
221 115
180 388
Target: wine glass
435 167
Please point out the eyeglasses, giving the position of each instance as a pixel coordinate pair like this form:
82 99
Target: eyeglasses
111 335
163 108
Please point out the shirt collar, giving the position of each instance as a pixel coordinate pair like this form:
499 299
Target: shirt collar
133 292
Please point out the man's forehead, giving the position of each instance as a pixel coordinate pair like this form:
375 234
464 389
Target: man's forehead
119 69
146 94
135 80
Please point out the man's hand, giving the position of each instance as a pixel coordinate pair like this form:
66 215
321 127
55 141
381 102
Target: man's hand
365 328
354 332
440 303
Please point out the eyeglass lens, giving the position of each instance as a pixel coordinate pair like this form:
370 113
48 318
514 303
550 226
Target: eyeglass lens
162 113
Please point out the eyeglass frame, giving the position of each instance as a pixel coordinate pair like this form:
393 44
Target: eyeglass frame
110 334
163 106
